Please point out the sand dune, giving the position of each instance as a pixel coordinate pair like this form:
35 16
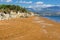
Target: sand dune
32 28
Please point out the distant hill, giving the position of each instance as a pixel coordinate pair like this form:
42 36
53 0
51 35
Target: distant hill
53 11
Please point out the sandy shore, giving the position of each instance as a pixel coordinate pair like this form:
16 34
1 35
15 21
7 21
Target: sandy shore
32 28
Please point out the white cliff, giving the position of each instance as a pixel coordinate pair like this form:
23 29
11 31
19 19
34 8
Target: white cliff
13 14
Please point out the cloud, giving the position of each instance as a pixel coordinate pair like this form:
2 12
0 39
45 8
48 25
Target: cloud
46 5
36 5
41 6
8 0
24 2
39 3
5 0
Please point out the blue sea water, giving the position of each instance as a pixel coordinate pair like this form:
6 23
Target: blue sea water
54 18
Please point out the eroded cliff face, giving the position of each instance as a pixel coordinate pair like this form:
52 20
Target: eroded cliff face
31 28
6 16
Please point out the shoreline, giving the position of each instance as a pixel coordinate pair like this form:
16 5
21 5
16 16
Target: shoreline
53 19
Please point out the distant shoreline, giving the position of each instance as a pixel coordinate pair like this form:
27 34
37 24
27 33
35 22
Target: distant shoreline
53 18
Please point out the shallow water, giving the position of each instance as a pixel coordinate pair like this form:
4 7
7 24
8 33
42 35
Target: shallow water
54 18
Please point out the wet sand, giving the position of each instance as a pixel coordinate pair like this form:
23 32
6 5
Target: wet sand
32 28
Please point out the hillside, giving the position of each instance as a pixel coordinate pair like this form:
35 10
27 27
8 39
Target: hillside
13 11
8 8
31 28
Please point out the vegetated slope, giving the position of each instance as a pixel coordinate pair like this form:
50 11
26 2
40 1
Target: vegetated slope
8 8
32 28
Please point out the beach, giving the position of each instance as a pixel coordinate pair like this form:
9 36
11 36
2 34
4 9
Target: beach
31 28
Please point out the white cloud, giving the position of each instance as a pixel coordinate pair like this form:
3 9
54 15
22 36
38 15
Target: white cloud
41 6
39 3
25 2
5 0
8 0
47 5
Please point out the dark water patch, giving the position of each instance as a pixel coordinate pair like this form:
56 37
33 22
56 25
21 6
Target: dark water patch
54 18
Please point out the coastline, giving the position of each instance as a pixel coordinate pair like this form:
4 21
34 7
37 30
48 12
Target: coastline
54 18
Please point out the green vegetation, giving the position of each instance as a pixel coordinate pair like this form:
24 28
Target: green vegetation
8 8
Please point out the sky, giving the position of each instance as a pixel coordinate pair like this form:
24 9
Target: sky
32 3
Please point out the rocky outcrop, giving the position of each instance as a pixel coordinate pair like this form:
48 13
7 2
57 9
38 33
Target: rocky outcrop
12 14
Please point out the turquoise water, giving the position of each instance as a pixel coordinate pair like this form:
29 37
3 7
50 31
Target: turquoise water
54 18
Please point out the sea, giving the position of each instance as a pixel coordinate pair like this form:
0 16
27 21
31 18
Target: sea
53 18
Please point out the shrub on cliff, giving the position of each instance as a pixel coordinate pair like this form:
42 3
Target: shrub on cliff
8 8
